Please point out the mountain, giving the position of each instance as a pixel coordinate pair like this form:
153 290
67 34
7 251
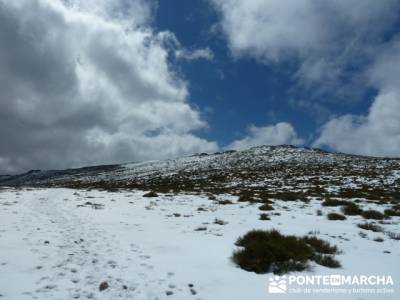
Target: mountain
206 226
263 169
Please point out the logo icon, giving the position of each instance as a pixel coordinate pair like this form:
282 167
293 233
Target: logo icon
335 280
277 285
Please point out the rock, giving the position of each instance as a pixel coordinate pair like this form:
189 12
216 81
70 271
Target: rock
193 291
103 286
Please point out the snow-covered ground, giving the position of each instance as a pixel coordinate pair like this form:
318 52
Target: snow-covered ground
54 246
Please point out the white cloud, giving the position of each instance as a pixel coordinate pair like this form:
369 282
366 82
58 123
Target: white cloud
279 134
339 49
323 37
88 82
272 30
204 53
377 133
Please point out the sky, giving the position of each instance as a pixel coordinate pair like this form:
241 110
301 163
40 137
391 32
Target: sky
86 82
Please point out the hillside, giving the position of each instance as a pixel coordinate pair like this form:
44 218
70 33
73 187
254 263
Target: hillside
177 229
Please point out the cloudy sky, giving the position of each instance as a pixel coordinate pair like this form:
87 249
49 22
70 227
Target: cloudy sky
87 82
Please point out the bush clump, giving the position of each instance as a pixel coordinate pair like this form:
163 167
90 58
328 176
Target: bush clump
334 202
370 226
373 214
247 196
391 212
150 194
352 209
225 202
266 207
335 217
264 217
270 251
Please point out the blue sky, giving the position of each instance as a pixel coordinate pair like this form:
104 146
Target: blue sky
234 93
88 82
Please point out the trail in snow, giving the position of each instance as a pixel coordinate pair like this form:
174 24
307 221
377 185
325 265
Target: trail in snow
55 244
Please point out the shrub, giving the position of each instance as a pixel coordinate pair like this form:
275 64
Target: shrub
335 216
150 194
370 226
373 214
247 196
327 261
334 202
392 213
351 209
225 202
264 217
270 251
319 212
220 222
319 245
290 196
266 206
393 235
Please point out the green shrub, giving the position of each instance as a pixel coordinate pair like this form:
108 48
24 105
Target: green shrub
319 245
351 209
373 214
225 202
335 216
264 217
150 194
334 202
290 196
393 235
247 196
371 227
266 206
378 239
220 222
392 213
270 251
327 261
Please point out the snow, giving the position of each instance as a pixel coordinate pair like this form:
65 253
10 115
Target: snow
53 246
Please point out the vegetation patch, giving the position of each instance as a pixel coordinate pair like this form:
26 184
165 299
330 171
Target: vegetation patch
220 222
151 194
225 202
270 251
334 202
352 209
391 212
393 235
290 196
373 214
370 226
264 217
266 207
335 217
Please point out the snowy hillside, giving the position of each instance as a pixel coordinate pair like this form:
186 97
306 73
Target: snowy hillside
96 233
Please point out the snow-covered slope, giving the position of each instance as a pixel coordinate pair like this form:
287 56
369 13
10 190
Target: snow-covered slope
261 162
62 244
64 233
